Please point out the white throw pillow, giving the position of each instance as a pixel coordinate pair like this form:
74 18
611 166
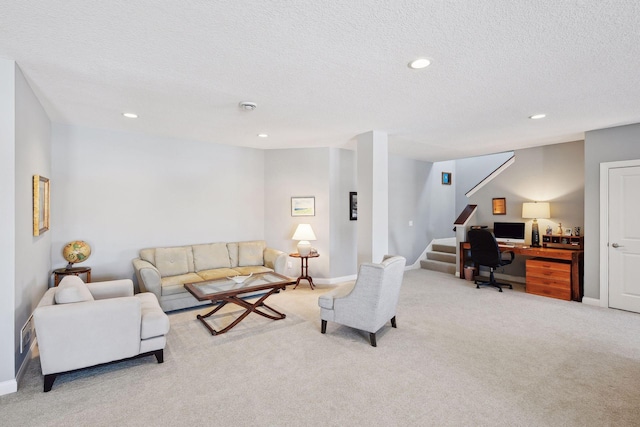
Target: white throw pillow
72 289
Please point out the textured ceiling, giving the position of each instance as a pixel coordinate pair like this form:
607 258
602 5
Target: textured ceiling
323 72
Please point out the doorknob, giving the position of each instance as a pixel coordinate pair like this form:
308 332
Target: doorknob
615 245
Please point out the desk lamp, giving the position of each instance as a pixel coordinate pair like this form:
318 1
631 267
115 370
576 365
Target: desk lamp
304 233
535 210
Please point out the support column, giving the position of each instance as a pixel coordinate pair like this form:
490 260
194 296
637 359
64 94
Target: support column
373 196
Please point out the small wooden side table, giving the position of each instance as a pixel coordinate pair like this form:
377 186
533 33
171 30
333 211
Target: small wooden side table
304 268
59 273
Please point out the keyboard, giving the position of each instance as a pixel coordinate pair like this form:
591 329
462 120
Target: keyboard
506 245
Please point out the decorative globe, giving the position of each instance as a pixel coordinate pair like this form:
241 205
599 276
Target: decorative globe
76 251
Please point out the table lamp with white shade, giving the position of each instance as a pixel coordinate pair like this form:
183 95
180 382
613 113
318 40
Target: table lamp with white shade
535 210
304 233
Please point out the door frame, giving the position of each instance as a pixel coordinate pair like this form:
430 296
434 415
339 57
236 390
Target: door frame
604 224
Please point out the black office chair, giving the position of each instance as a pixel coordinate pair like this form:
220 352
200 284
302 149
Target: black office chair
485 251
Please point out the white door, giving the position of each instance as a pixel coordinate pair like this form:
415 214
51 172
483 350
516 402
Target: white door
624 238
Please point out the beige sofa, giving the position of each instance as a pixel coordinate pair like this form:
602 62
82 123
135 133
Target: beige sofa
164 271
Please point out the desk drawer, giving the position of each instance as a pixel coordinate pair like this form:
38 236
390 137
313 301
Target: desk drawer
549 278
548 290
546 264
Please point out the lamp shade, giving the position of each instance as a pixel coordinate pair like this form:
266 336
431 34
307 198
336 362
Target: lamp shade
304 232
536 210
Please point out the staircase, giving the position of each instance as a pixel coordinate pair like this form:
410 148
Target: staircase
441 256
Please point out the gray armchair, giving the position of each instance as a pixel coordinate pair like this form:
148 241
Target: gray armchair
79 325
369 302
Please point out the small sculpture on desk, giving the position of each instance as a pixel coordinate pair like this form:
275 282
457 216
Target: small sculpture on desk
560 232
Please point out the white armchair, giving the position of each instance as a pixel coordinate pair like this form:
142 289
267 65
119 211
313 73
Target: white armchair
368 303
78 326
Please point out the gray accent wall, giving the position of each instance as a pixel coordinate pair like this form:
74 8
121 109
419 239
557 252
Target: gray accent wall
604 145
473 170
551 173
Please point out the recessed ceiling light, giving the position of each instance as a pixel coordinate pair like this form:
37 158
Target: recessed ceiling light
538 116
130 115
263 135
419 63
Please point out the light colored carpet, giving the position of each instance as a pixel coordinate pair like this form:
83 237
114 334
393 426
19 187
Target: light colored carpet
460 356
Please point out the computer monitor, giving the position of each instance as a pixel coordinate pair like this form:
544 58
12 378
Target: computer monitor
509 232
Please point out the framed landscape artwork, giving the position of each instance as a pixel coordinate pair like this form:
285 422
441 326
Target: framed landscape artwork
303 206
40 204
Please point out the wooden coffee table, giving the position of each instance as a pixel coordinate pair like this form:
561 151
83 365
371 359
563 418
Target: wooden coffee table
223 291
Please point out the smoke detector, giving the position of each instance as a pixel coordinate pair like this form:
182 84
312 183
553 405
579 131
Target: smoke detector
248 106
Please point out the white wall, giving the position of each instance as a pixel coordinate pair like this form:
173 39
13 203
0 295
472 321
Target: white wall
122 192
343 231
604 145
33 157
25 150
412 191
7 227
299 173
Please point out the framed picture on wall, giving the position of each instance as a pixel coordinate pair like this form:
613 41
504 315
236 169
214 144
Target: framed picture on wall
353 206
499 206
303 206
40 204
446 178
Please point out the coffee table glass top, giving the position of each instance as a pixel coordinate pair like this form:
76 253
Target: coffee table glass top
207 289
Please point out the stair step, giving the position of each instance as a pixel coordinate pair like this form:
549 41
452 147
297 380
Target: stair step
442 256
443 267
439 247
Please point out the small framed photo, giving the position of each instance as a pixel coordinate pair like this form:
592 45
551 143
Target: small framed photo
446 178
353 206
303 206
568 231
499 206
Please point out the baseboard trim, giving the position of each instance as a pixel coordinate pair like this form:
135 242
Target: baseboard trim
334 280
11 386
7 387
591 301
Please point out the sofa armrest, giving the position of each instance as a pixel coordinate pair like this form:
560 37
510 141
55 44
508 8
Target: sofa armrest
111 289
275 259
149 278
76 335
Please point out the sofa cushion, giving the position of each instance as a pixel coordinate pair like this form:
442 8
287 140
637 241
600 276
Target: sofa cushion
217 273
255 269
72 289
233 254
154 322
207 257
148 255
172 261
251 253
175 284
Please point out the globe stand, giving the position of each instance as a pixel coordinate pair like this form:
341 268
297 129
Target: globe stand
69 266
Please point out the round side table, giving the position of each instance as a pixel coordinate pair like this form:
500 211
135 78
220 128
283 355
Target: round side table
304 268
59 273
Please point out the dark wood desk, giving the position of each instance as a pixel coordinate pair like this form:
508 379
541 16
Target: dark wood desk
576 257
